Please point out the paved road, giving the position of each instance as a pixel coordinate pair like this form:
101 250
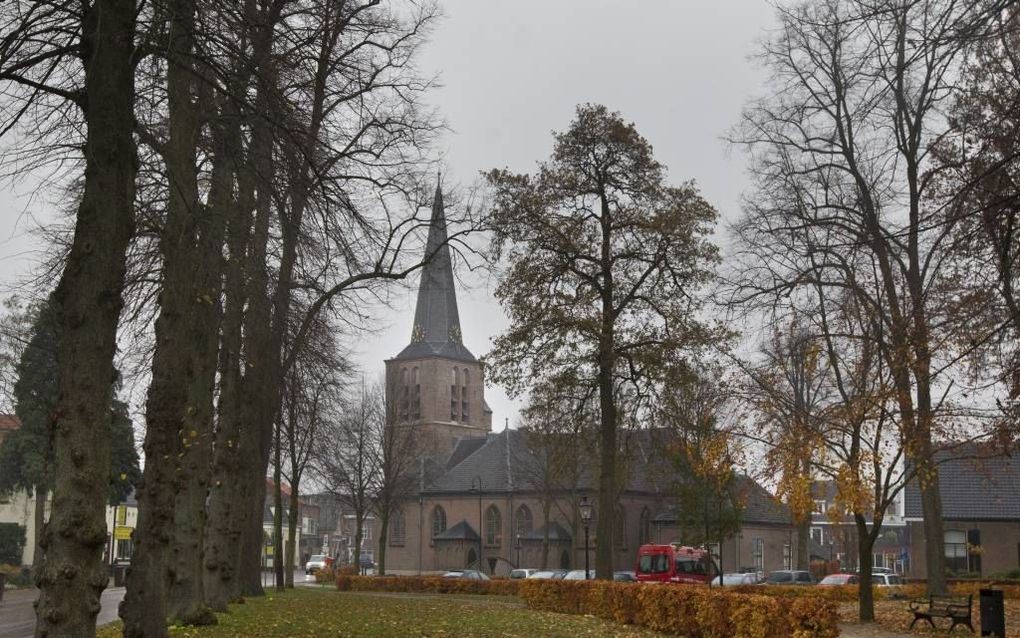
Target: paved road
17 615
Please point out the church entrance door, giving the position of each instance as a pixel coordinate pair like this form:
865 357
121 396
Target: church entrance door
472 558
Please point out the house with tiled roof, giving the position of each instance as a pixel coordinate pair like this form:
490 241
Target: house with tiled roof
980 490
483 498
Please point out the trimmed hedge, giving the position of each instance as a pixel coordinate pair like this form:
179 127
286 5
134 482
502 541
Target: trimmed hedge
690 611
848 593
683 610
427 585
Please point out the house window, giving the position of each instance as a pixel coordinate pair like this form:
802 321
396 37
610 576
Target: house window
124 549
398 528
122 515
819 508
645 527
956 550
493 527
818 535
524 520
438 521
758 552
787 558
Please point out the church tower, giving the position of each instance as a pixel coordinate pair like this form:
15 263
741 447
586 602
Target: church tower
435 384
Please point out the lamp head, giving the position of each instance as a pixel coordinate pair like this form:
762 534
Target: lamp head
585 507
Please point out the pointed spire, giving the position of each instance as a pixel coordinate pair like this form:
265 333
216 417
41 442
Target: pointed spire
436 329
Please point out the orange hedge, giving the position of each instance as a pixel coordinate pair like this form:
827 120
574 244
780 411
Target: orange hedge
848 593
691 611
426 585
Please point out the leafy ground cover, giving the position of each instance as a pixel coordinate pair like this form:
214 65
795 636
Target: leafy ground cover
895 616
318 613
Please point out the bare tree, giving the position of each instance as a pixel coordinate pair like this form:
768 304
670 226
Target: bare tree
79 59
347 463
398 451
857 94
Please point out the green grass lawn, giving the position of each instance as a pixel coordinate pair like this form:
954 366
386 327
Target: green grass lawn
323 612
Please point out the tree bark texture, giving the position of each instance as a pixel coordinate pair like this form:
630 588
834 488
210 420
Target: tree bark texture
278 513
40 522
292 527
607 404
144 609
186 602
89 298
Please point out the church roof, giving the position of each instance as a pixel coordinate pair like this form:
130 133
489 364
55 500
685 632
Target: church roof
556 533
462 531
436 330
506 462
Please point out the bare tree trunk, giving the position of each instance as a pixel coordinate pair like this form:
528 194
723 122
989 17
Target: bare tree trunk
607 403
865 591
89 301
40 521
292 525
278 513
359 523
546 508
384 537
227 514
186 600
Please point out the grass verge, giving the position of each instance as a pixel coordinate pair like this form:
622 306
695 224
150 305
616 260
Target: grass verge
313 613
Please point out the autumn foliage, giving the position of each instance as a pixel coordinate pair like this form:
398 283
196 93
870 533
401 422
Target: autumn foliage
690 611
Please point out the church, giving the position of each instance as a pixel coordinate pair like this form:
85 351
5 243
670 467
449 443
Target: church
480 503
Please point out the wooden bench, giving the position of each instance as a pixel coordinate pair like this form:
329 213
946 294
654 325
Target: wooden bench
956 608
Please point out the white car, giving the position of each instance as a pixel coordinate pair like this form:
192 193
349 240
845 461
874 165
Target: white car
518 574
730 580
315 563
886 580
578 574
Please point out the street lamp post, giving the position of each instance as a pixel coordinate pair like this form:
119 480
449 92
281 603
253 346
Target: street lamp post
481 523
518 550
585 508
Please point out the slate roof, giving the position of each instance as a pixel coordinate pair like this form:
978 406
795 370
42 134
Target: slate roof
759 505
462 531
505 462
436 331
974 485
556 533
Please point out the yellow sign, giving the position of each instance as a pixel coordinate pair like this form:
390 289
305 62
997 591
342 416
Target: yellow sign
122 533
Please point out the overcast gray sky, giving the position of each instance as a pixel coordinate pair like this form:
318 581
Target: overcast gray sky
512 72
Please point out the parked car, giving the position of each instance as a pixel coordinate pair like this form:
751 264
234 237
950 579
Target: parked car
839 579
579 574
731 580
315 563
467 574
549 574
624 576
789 577
886 580
517 574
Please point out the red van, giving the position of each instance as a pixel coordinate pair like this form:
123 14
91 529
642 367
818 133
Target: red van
673 563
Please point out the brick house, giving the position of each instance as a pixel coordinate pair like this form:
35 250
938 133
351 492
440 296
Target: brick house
980 510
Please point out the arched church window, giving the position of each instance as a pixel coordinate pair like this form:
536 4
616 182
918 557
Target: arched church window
620 528
524 520
438 521
404 395
493 527
464 398
455 395
416 400
398 528
645 527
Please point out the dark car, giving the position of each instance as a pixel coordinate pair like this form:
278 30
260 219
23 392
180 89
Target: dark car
789 577
624 577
